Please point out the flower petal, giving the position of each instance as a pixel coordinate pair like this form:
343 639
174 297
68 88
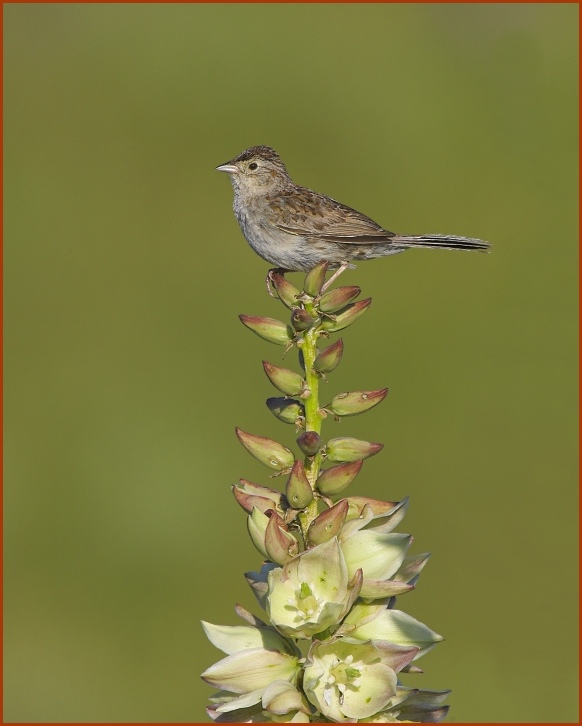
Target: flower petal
232 638
280 697
377 688
379 555
400 628
252 669
243 701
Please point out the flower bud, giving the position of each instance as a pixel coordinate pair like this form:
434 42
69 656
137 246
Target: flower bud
346 316
302 320
329 357
268 452
298 489
350 404
345 448
285 380
287 292
270 329
314 279
257 526
287 410
337 478
280 545
250 495
333 300
328 524
309 442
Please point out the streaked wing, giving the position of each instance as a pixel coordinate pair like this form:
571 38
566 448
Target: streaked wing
308 214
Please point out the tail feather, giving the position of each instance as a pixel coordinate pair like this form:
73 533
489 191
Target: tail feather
441 241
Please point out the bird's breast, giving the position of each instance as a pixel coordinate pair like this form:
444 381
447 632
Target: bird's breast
267 240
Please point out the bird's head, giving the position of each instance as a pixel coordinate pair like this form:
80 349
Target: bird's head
256 171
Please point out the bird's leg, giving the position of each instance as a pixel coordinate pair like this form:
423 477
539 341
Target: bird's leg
269 278
344 266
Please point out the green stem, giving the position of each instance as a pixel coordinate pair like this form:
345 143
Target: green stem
313 418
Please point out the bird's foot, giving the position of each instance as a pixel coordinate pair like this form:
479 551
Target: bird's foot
269 278
342 268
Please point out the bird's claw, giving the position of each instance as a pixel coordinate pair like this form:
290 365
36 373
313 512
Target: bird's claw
269 279
342 268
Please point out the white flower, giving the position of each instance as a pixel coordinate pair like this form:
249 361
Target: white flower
312 592
347 680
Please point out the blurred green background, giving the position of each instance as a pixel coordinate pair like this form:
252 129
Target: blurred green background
127 368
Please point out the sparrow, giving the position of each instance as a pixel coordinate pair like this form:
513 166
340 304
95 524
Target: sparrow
295 228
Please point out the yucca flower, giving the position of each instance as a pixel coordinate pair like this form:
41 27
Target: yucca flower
333 643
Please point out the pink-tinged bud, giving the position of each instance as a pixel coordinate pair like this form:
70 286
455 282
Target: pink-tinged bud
314 279
285 380
346 316
302 320
337 478
287 292
280 545
270 329
333 300
287 410
298 489
345 448
268 452
329 357
250 495
309 442
350 404
328 524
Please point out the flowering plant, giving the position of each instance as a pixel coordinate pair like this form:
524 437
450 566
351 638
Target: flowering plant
333 643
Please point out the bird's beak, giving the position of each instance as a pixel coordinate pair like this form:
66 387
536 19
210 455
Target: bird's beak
228 168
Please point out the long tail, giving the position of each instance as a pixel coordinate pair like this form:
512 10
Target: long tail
441 241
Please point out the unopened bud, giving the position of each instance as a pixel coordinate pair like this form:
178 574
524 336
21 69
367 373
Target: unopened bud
285 380
287 410
280 544
350 404
345 448
337 478
328 524
257 526
329 357
298 489
287 292
333 300
275 331
250 495
301 320
346 316
309 442
268 452
314 279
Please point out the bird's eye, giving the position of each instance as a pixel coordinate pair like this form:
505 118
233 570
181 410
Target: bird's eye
253 166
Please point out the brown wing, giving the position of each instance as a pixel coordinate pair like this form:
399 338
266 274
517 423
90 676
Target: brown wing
309 214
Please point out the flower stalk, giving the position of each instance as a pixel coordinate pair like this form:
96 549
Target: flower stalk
334 644
313 416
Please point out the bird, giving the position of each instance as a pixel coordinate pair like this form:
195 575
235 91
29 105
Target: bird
295 228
